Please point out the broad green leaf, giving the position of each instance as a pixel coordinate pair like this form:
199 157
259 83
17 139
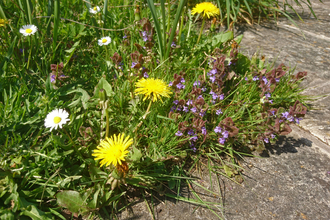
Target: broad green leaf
71 200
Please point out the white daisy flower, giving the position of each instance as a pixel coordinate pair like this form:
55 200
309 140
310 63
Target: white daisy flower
104 41
56 118
94 10
28 30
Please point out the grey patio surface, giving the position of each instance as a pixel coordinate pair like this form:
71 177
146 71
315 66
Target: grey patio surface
292 180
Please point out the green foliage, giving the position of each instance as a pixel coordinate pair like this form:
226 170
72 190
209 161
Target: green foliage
63 67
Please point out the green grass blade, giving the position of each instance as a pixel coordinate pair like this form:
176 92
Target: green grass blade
157 27
174 25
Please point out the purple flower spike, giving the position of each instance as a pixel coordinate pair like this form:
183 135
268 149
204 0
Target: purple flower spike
222 141
179 133
217 129
218 112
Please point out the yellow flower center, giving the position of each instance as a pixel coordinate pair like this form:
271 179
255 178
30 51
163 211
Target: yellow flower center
117 153
104 40
95 8
28 31
57 119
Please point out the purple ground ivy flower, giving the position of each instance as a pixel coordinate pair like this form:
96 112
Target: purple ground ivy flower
214 96
176 102
170 83
145 75
285 114
185 109
222 141
182 80
52 78
194 109
217 129
298 120
197 83
265 80
191 132
202 113
268 95
277 79
212 78
178 108
270 101
225 134
193 138
173 108
272 136
218 112
212 72
190 102
192 147
266 140
200 97
203 130
173 44
180 86
133 64
246 79
125 36
203 89
179 133
255 78
221 97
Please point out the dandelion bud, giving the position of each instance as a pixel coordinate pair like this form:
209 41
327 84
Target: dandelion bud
102 95
214 21
137 13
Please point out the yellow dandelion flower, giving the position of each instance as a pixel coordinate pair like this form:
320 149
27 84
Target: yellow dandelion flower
152 88
113 150
207 8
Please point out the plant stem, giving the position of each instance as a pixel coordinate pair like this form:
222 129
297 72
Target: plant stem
107 122
202 28
144 116
74 146
30 38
